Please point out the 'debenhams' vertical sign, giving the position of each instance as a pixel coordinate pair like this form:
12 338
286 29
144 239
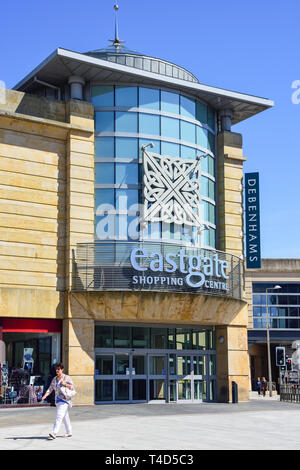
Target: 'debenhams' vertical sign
253 252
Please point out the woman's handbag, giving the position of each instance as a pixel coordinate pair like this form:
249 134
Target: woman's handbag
68 394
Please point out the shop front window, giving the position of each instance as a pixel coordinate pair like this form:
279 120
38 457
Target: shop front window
27 364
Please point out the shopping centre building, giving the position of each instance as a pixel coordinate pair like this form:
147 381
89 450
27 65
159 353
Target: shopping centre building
122 231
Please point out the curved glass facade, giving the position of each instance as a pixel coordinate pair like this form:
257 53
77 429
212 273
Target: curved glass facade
127 117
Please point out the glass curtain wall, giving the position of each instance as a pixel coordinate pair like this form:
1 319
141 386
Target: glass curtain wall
127 117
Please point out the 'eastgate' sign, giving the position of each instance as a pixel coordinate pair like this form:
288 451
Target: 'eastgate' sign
178 269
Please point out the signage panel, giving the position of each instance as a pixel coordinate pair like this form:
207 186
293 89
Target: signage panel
252 221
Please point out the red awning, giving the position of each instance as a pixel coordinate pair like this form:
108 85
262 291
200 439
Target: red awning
29 325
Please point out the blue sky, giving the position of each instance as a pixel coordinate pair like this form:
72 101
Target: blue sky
251 47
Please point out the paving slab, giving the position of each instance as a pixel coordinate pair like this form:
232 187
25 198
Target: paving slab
263 423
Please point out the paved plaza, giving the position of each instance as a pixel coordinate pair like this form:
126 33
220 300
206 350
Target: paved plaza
262 423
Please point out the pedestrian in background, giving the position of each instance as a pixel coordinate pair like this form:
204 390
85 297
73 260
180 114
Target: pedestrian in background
264 386
64 390
258 385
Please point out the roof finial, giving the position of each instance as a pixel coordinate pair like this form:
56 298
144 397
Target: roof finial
116 42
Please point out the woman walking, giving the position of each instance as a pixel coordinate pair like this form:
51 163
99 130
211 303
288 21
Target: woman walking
64 390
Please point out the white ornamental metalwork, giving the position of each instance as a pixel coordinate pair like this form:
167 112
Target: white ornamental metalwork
171 190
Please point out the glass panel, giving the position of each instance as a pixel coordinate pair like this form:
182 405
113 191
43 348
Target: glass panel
209 212
212 390
122 364
122 390
149 124
157 365
126 147
210 237
126 96
103 336
157 389
126 198
183 365
104 121
149 98
140 337
170 127
105 228
199 365
202 137
184 390
138 365
158 338
172 364
211 165
104 196
183 338
168 148
211 339
211 118
188 152
188 132
211 142
104 147
170 102
126 173
199 390
126 122
212 365
173 393
171 338
103 95
104 390
104 173
104 365
199 337
139 389
188 107
122 337
155 149
201 112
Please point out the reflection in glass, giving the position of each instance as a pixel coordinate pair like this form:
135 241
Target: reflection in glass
169 102
139 389
126 147
183 365
104 147
140 337
148 98
126 173
199 390
126 122
122 390
157 365
104 173
212 365
199 365
122 337
103 336
103 390
157 389
184 390
122 364
104 365
158 338
172 364
104 196
126 96
173 393
103 95
201 112
138 365
183 338
149 124
104 121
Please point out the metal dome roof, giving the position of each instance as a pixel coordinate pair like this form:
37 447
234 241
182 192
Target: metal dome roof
122 55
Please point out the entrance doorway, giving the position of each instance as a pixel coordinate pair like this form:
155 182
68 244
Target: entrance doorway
157 376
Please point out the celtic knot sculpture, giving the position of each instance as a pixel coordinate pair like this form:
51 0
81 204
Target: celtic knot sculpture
171 190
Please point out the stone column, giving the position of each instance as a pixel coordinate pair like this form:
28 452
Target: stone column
232 352
78 333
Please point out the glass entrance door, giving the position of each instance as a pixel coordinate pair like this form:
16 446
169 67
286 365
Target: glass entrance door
157 387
